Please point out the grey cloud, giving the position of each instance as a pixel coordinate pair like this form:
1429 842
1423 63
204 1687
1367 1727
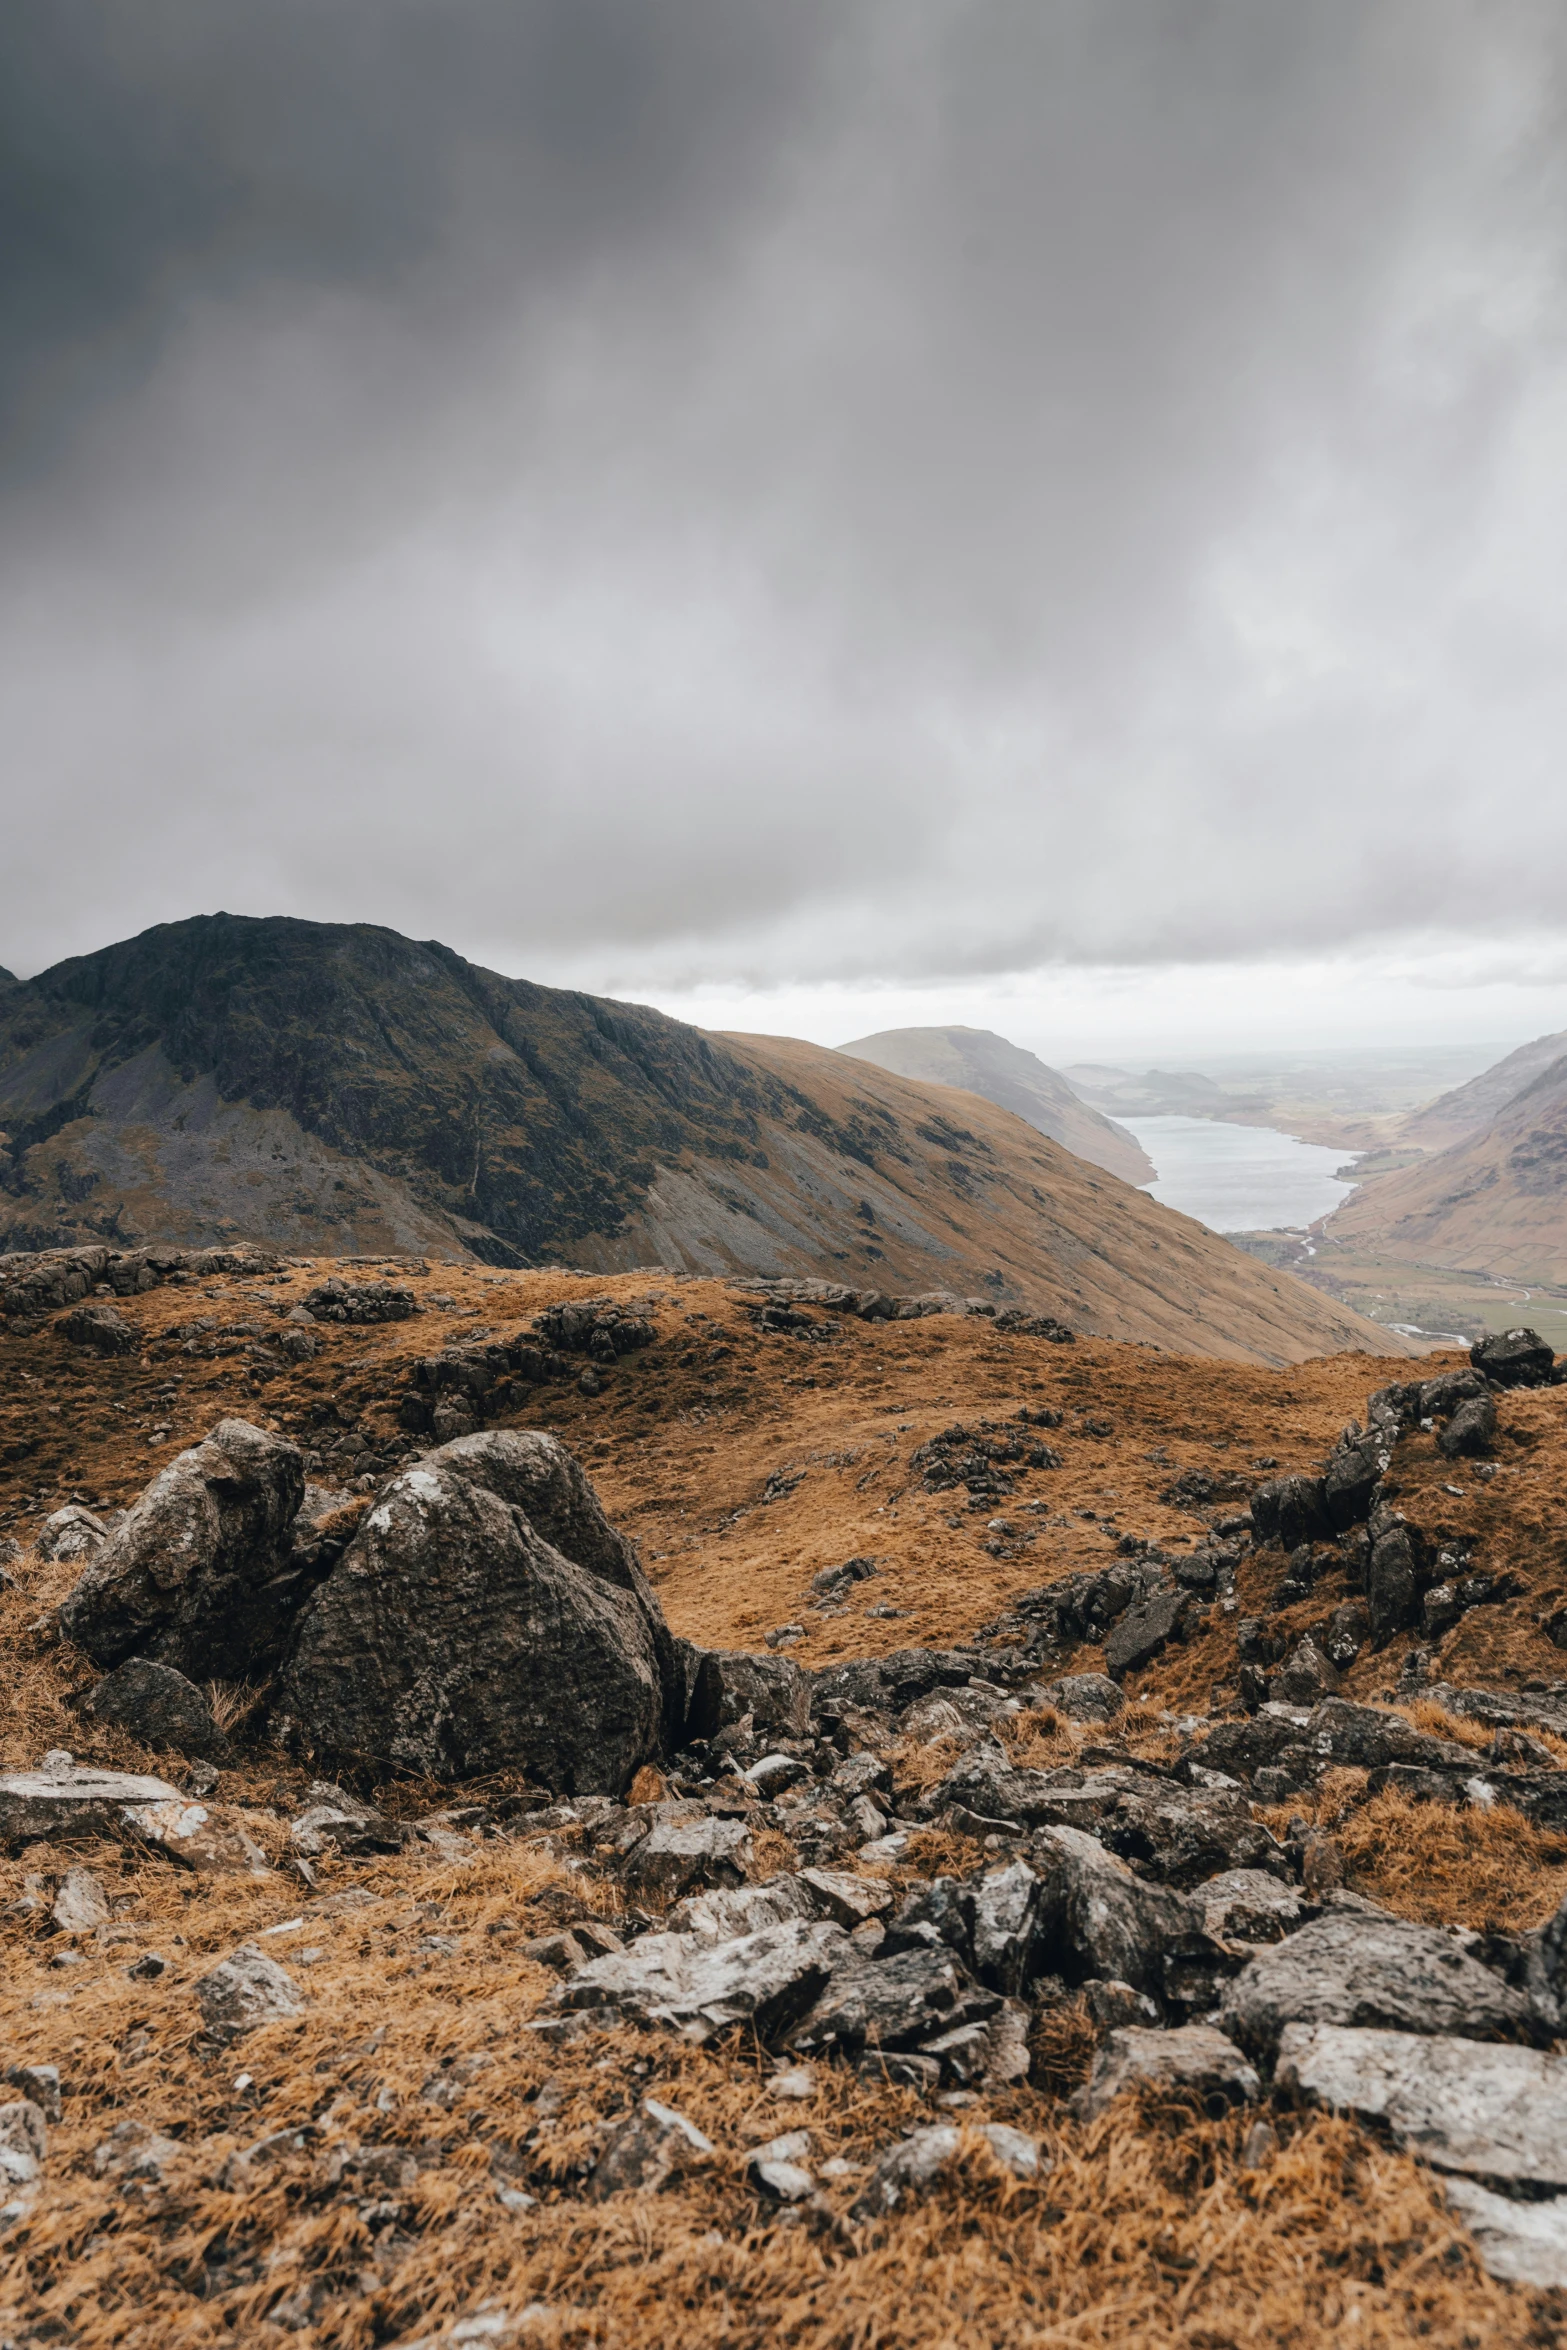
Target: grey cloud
672 490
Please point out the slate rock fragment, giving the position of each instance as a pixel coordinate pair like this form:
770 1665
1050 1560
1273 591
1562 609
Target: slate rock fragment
159 1707
1194 2060
766 1979
246 1990
911 2168
1144 1632
1370 1973
1497 2113
646 2151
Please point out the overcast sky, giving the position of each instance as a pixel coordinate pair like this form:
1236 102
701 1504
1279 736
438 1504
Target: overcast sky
793 509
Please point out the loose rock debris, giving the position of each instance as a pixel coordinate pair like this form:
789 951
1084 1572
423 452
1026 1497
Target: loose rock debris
361 2013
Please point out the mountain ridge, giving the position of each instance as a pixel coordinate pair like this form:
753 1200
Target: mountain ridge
977 1060
338 1089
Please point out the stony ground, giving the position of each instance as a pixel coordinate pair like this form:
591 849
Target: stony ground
405 2158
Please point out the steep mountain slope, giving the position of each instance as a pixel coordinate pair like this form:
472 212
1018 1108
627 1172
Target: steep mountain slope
1495 1203
342 1089
1470 1108
979 1061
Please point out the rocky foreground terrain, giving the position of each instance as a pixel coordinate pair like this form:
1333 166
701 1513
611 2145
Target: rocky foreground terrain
557 1810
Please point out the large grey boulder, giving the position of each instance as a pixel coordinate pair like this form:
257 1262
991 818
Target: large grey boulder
198 1574
485 1617
1369 1972
1513 1358
1461 2105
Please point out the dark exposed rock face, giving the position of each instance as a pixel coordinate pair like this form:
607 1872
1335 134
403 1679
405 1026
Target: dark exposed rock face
1514 1358
487 1615
1471 1430
199 1575
1355 1468
159 1707
100 1328
361 1301
1288 1512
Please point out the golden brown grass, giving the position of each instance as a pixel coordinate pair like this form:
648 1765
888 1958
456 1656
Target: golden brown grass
1148 2229
1436 1864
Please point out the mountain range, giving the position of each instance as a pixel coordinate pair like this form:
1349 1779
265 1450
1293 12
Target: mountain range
1494 1200
340 1089
978 1061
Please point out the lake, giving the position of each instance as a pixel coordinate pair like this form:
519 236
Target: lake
1239 1178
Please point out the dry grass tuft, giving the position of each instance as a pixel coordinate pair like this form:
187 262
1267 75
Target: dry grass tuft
232 1703
1448 1867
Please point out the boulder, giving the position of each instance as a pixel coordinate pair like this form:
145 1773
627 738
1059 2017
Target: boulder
1248 1905
486 1616
81 1903
212 1843
1471 1431
158 1707
1086 1697
246 1990
1514 1358
1195 2061
915 2165
851 1900
198 1574
100 1328
767 1979
1096 1919
1370 1972
335 1821
1356 1466
774 1692
1460 2104
71 1533
1366 1738
361 1301
1307 1675
1393 1578
1289 1511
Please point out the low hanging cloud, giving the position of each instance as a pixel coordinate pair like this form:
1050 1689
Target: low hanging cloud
669 491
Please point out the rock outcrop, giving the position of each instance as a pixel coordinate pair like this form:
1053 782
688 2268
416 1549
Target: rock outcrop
485 1617
199 1573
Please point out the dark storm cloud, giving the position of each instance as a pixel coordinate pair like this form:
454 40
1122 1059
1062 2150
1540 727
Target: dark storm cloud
668 490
